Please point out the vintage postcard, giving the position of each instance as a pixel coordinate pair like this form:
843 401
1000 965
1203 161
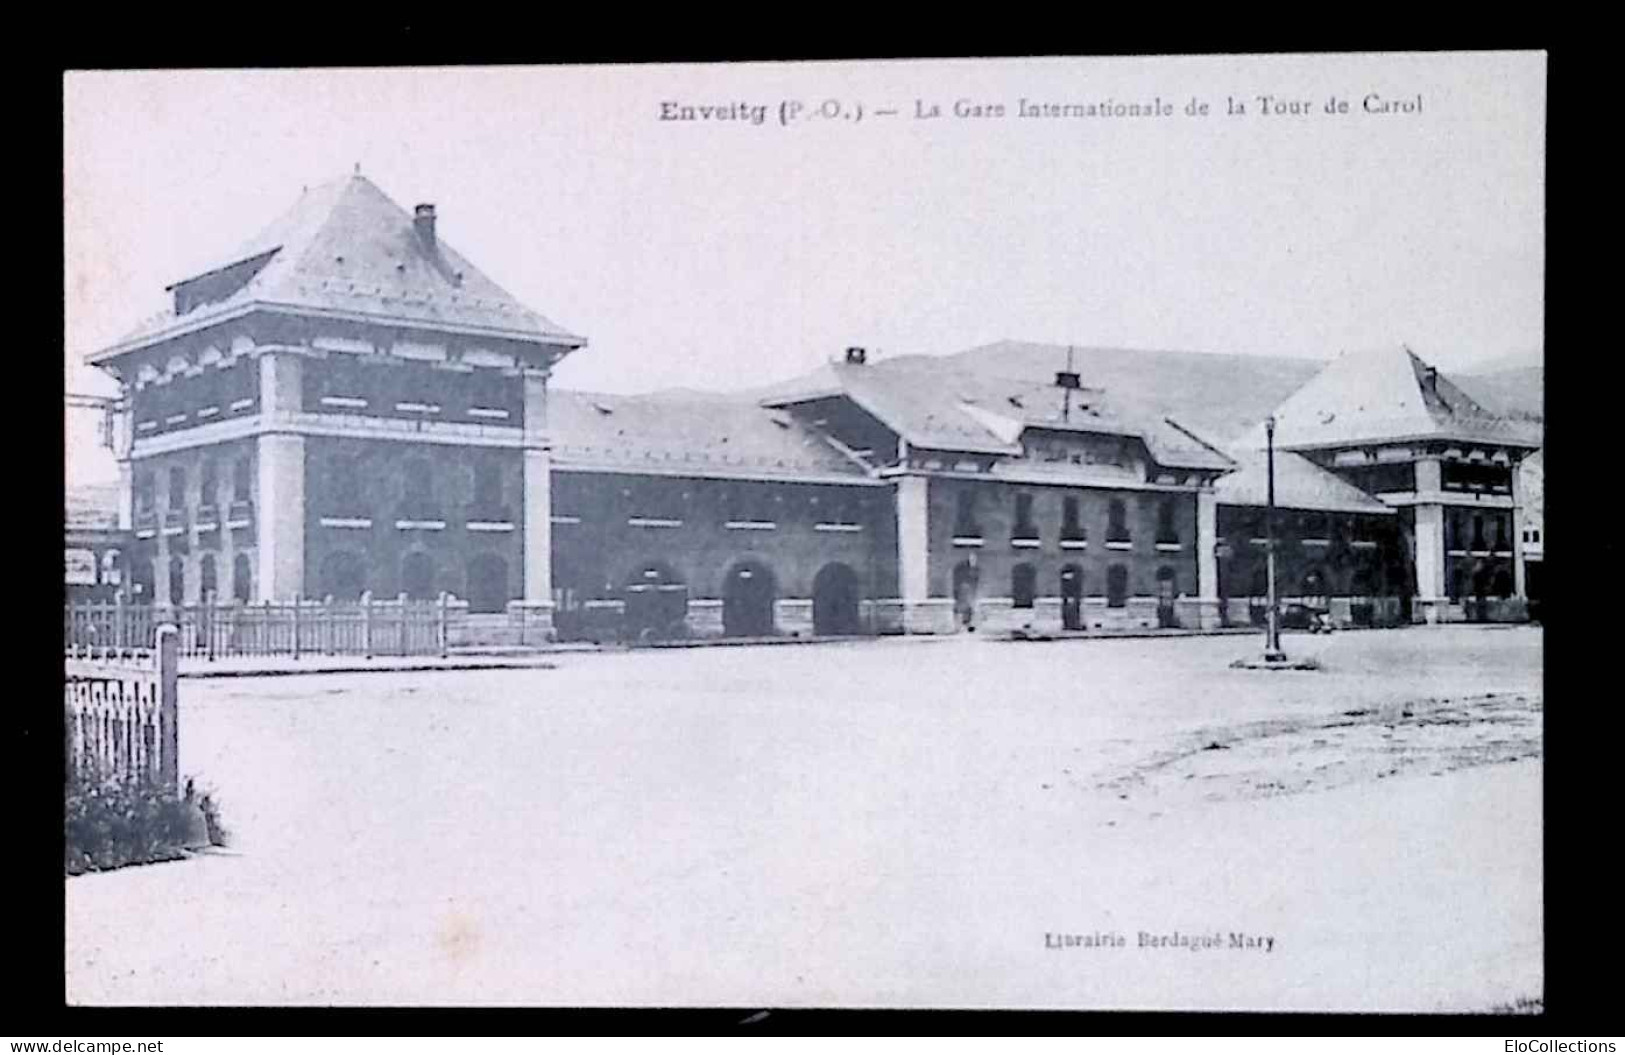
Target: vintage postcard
1043 533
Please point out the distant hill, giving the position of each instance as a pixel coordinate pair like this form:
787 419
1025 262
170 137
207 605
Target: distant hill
1517 393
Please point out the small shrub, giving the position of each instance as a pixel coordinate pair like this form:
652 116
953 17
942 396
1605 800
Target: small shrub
111 822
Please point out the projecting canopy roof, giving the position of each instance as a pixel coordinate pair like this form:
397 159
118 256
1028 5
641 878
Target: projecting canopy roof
345 249
1299 484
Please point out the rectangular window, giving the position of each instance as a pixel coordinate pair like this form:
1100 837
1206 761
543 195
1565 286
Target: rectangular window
1117 522
965 525
1071 526
1167 530
1024 527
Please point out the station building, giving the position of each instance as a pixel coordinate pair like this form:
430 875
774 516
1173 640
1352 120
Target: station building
346 405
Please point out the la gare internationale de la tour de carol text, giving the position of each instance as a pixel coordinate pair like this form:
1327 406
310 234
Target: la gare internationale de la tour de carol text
1263 105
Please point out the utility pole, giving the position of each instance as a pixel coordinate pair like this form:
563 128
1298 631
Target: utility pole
1272 645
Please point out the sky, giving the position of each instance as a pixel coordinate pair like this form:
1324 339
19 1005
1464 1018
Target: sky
728 254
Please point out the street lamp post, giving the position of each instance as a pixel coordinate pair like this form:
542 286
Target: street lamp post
1272 646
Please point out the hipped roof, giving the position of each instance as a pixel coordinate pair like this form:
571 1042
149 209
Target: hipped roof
344 248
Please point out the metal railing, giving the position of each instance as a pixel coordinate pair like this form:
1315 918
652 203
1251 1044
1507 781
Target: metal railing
122 711
210 630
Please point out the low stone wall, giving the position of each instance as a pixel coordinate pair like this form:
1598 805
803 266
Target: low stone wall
532 619
704 618
933 616
793 617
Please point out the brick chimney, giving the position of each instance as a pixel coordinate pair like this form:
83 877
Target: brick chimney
423 221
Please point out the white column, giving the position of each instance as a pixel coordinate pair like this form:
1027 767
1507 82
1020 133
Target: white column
126 495
1207 544
538 525
1430 555
280 518
1429 477
1518 588
123 440
913 538
280 499
538 474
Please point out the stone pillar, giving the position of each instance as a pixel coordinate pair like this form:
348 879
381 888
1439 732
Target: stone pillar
1519 589
1430 559
538 484
123 445
126 495
1429 477
1207 558
279 511
279 501
538 478
913 539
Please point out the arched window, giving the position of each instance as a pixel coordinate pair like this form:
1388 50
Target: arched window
242 578
1167 582
143 574
344 576
177 580
206 578
1116 586
1023 584
1117 522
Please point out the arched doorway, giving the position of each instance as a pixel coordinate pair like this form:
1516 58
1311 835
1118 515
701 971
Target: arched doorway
207 584
1167 589
344 576
242 578
965 583
487 583
417 576
747 600
1072 597
1116 586
656 603
177 580
835 600
1023 585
